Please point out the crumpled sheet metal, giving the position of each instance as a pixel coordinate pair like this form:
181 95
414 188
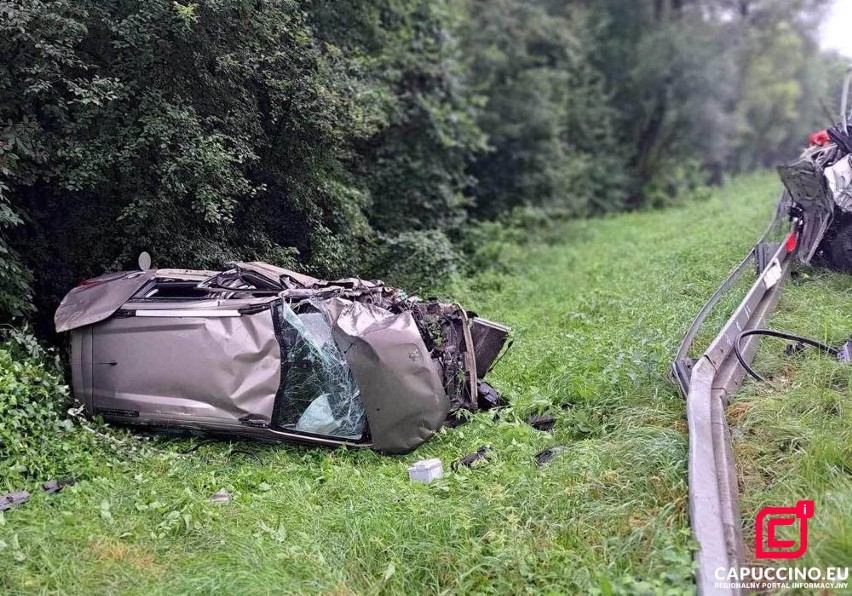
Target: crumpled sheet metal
218 368
400 386
807 186
96 301
839 177
279 273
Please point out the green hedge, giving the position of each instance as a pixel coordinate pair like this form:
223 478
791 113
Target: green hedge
37 440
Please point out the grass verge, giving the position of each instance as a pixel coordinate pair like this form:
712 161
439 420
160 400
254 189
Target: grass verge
793 435
597 307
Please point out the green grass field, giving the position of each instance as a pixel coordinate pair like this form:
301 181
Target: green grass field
793 436
598 308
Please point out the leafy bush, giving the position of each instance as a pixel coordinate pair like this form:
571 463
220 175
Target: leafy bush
677 184
499 245
37 441
15 279
417 261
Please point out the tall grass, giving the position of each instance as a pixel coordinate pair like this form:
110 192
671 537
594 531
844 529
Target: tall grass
597 308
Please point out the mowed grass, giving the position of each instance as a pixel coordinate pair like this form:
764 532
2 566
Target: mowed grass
598 308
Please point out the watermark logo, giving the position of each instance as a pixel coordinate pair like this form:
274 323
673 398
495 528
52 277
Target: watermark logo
769 519
782 533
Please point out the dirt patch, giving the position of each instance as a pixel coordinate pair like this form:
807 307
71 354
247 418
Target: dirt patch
121 552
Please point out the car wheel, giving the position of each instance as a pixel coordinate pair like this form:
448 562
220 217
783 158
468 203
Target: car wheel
840 249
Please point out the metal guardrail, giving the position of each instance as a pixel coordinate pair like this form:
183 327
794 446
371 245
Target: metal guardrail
707 383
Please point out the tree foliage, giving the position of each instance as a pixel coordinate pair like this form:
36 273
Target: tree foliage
548 116
367 137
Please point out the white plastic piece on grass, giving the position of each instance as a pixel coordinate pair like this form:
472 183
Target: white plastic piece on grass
426 470
220 496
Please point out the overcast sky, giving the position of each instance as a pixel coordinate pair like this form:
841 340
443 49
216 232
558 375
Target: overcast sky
836 32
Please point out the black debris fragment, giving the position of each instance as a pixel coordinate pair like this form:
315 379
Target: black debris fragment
542 457
487 397
54 486
543 422
793 349
457 418
468 460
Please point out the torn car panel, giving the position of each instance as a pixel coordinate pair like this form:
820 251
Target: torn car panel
405 402
489 339
261 351
97 299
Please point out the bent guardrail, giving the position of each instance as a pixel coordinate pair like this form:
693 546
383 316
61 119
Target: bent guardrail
707 383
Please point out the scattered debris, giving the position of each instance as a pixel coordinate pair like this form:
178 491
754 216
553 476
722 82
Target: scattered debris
54 486
543 422
791 350
10 500
487 397
426 470
468 460
20 497
220 496
542 457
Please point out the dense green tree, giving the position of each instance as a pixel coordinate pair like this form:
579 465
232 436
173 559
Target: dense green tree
674 83
786 85
548 117
348 136
414 168
201 133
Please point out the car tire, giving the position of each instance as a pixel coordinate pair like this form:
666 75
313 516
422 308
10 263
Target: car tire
840 249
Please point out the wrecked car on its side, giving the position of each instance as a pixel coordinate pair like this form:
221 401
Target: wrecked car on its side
263 352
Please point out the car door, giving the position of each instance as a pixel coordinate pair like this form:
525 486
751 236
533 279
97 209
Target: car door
198 365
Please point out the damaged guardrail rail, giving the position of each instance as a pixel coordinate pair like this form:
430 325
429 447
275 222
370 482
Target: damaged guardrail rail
707 383
817 197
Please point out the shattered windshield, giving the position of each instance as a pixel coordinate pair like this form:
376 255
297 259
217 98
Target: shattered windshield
318 393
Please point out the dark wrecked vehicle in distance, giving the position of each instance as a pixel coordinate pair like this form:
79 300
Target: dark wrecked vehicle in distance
262 352
818 192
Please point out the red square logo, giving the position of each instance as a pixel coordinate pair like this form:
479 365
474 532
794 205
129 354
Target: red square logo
769 519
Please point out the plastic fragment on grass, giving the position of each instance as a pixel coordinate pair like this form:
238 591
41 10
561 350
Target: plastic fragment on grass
481 454
220 496
542 457
54 486
542 422
487 397
426 470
